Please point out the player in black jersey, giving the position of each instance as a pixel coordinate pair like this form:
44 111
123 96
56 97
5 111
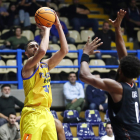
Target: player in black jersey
123 94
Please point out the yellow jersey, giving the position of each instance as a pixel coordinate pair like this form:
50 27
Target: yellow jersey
37 88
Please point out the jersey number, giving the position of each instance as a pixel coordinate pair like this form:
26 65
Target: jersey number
137 111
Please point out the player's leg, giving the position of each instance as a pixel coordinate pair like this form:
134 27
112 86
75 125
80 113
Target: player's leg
31 124
60 130
49 132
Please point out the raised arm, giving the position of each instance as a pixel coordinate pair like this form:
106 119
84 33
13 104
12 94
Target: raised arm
105 84
58 56
120 45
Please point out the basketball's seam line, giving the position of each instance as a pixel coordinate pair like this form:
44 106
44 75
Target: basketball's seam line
38 20
44 18
47 12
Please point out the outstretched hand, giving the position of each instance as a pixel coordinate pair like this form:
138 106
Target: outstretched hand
42 27
91 46
118 20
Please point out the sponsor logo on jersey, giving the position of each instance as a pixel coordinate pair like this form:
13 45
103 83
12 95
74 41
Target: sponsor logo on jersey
134 94
27 136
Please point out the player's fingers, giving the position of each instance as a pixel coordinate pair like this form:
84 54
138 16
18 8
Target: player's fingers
94 41
96 52
99 44
110 20
88 39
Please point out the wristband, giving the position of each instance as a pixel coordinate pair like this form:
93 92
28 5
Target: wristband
85 57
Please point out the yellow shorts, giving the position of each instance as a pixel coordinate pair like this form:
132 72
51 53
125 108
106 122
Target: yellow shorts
37 124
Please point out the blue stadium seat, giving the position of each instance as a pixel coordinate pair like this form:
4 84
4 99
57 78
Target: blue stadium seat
76 138
67 130
96 138
71 114
54 114
102 131
107 116
93 117
85 130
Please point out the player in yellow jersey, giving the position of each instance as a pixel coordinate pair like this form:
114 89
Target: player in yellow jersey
37 122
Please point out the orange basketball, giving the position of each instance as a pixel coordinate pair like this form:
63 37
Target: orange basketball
45 16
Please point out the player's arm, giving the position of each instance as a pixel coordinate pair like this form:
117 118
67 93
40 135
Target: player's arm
120 45
31 62
59 55
105 84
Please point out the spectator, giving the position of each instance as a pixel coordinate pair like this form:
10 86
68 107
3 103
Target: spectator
17 41
55 36
109 132
96 98
38 39
132 19
74 94
24 16
44 2
7 104
78 17
3 16
10 130
107 36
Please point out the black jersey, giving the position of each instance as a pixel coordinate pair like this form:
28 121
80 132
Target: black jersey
124 115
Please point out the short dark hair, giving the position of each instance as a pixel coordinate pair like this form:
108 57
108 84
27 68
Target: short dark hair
72 72
25 47
130 66
5 85
11 113
105 22
19 28
108 123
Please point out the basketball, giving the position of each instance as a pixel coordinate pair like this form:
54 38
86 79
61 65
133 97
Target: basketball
45 16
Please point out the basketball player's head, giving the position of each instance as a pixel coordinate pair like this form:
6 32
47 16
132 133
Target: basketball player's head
31 48
129 68
72 77
108 129
105 27
6 90
12 119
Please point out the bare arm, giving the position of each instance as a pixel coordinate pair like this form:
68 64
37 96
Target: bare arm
32 62
58 56
3 116
105 84
120 45
82 11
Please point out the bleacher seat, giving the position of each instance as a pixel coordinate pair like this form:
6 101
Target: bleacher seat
12 62
76 138
54 114
66 21
93 117
85 34
98 62
96 138
54 47
6 4
5 30
29 34
67 130
8 56
2 70
32 20
102 131
65 62
72 55
71 114
80 46
61 5
75 34
85 130
36 32
54 6
75 63
138 36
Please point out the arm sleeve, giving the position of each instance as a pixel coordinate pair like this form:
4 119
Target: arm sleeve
3 135
82 94
67 93
19 103
9 39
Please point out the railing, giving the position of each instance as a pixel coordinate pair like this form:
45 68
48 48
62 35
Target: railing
19 66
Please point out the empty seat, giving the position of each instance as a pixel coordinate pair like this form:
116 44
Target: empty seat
76 138
54 47
72 55
80 46
93 117
8 56
29 34
61 5
54 6
85 130
36 32
11 63
85 34
102 131
75 63
6 4
66 21
54 114
32 20
98 62
2 70
67 130
75 34
5 30
66 62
